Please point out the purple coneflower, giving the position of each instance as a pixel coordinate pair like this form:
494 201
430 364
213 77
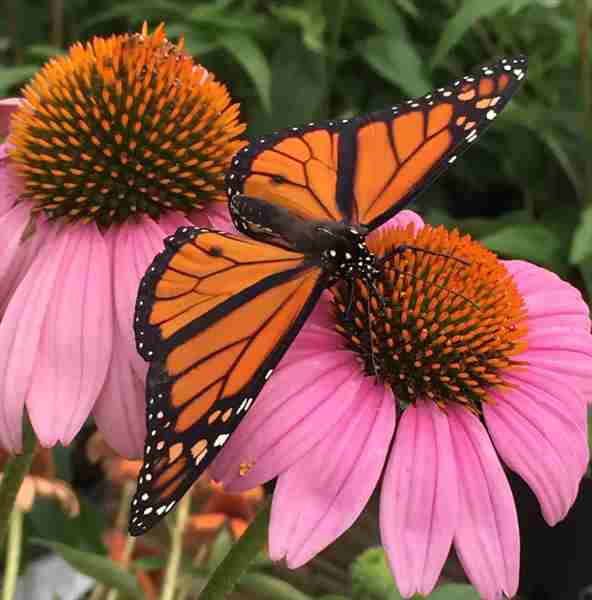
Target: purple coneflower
111 148
466 363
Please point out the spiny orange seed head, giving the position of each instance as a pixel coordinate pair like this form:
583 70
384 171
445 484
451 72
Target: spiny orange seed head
435 327
122 126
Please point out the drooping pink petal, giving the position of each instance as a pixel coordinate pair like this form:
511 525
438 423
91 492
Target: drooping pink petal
322 494
538 426
299 406
120 411
55 338
133 247
75 338
20 330
12 226
23 257
7 107
486 539
11 185
419 499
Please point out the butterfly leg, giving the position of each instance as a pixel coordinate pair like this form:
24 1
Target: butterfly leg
350 301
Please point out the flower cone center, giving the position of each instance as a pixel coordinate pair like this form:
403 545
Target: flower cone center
122 126
435 326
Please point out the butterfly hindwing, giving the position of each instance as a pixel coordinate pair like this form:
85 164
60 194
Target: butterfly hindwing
364 170
214 315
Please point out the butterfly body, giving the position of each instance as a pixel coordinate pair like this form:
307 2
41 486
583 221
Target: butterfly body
217 311
339 248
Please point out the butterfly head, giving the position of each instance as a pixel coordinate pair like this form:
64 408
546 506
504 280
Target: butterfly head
345 254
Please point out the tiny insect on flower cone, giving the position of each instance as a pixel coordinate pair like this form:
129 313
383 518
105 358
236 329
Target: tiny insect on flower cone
464 360
112 147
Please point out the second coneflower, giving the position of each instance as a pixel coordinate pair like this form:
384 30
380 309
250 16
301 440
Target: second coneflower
462 358
111 148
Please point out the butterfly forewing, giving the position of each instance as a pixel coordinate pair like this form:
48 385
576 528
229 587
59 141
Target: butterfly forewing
215 314
364 170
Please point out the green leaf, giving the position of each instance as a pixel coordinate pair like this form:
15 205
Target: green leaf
267 587
309 19
98 567
530 241
333 597
149 563
219 549
372 578
581 248
468 14
43 52
397 61
454 591
586 269
83 531
298 86
250 56
383 15
11 77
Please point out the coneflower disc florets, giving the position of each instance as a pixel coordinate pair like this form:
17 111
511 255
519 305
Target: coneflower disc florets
443 327
121 126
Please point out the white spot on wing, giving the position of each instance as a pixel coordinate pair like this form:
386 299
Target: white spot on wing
221 439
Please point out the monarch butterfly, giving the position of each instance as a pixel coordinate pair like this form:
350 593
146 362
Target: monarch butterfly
216 311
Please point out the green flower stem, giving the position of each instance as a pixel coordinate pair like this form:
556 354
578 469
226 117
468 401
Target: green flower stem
268 587
121 524
14 473
13 553
171 577
241 555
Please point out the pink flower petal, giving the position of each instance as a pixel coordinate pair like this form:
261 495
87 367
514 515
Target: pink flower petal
133 247
7 107
548 298
12 226
561 349
11 185
419 499
20 331
322 494
539 429
404 218
21 261
56 338
486 539
299 406
74 348
120 411
219 217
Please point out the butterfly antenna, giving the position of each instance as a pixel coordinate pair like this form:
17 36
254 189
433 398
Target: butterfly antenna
402 247
440 287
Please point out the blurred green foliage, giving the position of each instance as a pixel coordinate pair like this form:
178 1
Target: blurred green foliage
525 190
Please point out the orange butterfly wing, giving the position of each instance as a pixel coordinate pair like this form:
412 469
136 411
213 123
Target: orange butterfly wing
215 313
364 170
